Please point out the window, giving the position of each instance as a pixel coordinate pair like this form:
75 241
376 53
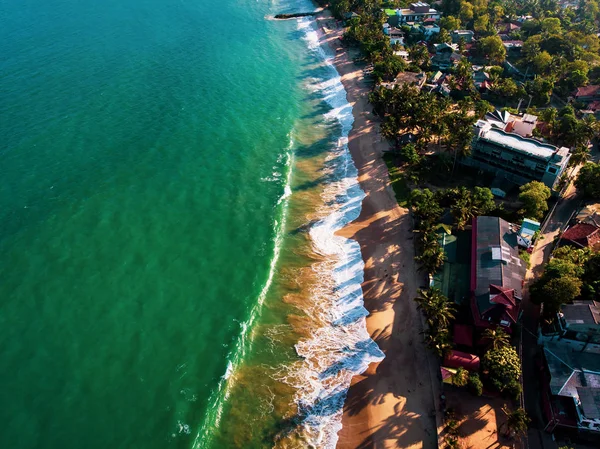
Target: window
552 170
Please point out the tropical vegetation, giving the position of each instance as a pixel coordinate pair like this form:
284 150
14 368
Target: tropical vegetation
439 312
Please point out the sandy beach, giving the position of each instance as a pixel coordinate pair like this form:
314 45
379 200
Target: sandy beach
392 404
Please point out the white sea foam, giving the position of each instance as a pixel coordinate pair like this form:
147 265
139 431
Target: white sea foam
341 347
219 396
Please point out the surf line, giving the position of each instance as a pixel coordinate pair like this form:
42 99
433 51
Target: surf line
342 347
220 394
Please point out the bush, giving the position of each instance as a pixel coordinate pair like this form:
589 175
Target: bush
475 384
503 366
513 389
461 377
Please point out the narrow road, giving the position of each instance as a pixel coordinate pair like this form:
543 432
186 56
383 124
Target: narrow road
565 208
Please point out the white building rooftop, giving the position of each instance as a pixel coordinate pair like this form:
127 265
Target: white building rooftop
516 142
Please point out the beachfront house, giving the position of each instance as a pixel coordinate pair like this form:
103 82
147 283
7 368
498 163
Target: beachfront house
416 12
497 274
395 35
516 158
407 78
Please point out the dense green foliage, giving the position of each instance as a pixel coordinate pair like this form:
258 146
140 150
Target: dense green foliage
464 205
438 311
517 422
475 384
503 368
570 274
408 109
534 196
496 338
461 377
588 180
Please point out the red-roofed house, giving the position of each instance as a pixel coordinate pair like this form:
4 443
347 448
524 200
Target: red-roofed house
587 93
497 274
594 106
582 235
507 28
458 359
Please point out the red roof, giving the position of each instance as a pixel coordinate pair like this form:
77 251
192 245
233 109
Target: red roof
457 359
463 334
446 374
581 234
594 106
586 91
502 295
504 305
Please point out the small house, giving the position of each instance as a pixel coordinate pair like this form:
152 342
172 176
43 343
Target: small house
582 235
572 389
407 78
587 94
465 35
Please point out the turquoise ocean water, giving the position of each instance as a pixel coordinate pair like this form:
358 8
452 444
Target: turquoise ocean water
164 171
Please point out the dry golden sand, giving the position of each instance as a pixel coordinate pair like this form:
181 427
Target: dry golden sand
392 404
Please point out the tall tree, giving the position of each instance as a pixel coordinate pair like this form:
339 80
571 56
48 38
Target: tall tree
588 180
534 196
493 48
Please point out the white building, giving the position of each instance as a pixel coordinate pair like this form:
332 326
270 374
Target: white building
417 12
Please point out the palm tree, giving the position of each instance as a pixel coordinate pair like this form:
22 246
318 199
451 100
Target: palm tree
497 337
438 341
427 299
431 259
516 422
443 313
437 308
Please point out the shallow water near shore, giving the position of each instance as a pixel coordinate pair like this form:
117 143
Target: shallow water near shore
170 276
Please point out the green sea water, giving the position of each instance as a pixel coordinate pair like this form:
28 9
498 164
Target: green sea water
137 208
165 277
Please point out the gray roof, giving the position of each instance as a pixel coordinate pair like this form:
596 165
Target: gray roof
498 259
570 370
582 312
590 401
576 375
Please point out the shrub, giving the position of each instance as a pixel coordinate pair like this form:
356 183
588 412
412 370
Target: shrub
513 389
475 384
461 377
503 366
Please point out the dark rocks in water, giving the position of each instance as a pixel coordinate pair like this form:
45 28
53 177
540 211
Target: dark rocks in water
296 14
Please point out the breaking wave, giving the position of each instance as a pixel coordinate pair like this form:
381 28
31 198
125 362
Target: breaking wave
340 347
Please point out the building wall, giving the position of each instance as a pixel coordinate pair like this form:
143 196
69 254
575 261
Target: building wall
518 167
412 17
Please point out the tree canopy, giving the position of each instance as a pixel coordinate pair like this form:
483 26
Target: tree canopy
503 367
588 180
534 196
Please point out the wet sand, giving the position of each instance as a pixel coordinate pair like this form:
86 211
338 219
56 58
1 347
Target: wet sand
392 404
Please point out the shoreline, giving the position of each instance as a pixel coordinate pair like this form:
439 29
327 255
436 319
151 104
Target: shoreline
394 402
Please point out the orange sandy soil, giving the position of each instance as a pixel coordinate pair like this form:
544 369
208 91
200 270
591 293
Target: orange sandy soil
479 418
